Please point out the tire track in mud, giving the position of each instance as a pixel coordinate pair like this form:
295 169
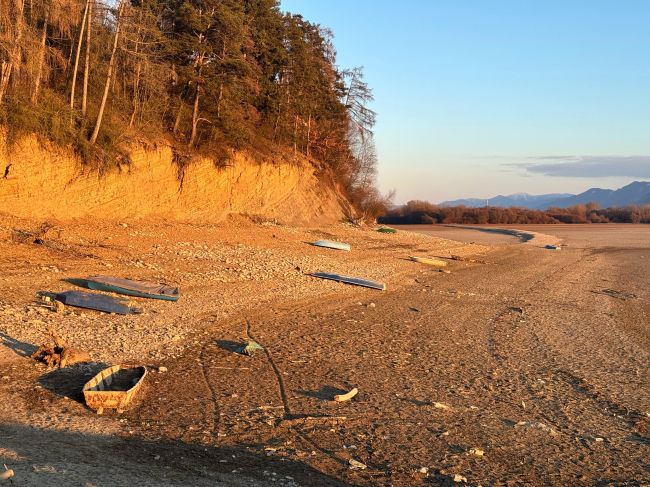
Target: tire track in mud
547 366
278 375
281 311
492 339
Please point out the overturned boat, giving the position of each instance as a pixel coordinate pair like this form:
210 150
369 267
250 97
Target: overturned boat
131 287
355 281
98 302
429 261
330 244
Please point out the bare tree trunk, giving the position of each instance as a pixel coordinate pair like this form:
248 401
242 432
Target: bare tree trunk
41 62
76 60
295 136
136 90
219 100
195 115
5 74
84 97
14 56
177 122
223 56
309 134
109 75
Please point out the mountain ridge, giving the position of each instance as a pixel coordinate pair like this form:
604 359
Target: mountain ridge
635 193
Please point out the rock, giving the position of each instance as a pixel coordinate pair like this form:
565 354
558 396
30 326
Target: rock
439 405
162 369
476 452
356 465
424 470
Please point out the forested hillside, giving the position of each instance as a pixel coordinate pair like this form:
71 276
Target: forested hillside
203 76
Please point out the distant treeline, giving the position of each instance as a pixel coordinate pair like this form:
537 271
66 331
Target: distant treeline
416 212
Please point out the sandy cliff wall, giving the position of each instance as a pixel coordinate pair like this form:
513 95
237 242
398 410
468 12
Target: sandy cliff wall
45 182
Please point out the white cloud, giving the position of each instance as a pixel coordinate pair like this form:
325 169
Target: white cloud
590 166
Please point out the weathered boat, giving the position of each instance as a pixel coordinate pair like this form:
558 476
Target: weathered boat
386 230
429 261
98 302
113 388
131 287
330 244
351 280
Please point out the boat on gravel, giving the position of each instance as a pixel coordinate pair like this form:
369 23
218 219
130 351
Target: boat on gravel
356 281
98 302
330 244
131 287
113 388
429 261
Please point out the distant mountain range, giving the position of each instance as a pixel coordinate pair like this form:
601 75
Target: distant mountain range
636 193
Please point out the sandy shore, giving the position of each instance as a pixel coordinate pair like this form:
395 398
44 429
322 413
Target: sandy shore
522 369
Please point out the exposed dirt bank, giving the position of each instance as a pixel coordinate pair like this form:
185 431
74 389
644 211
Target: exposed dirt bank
50 182
522 370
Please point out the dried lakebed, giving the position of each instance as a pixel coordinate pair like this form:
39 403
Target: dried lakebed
520 370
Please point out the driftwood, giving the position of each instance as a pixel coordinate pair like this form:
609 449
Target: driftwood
58 354
346 397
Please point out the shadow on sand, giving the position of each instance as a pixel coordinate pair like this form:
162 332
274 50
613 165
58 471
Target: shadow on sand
325 393
69 381
60 457
23 349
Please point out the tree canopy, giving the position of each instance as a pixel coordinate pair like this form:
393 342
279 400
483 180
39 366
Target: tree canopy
201 75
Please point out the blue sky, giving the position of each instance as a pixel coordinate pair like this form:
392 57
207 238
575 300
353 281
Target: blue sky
475 98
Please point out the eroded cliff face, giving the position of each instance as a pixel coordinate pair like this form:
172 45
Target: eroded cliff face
50 182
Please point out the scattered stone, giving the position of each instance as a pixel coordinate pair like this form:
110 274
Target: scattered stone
424 470
162 369
439 405
7 474
476 452
460 479
356 465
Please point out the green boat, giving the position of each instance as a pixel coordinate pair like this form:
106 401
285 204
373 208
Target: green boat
386 230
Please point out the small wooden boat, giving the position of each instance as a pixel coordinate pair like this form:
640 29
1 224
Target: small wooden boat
130 287
98 302
386 230
429 261
113 388
332 245
351 280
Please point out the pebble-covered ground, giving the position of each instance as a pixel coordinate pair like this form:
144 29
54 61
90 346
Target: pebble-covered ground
220 269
